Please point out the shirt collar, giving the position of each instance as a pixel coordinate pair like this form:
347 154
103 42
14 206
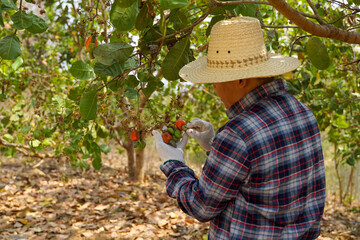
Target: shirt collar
256 95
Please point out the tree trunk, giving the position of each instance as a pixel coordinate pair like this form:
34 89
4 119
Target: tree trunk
140 166
337 172
349 186
129 147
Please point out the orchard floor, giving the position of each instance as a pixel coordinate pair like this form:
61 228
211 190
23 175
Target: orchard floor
36 203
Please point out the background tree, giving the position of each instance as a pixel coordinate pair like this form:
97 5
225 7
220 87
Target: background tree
76 74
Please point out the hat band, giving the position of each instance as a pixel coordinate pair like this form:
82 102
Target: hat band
240 63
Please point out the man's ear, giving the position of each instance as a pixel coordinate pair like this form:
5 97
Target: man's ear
243 83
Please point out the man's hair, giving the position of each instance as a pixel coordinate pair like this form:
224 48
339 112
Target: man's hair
265 80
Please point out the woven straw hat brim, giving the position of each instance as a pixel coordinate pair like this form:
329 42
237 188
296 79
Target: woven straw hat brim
198 72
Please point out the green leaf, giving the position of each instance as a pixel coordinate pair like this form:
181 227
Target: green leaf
83 164
10 47
150 88
26 129
115 68
111 70
38 25
75 94
171 4
177 57
144 18
105 148
340 121
124 3
46 142
114 85
88 105
9 4
214 20
34 143
147 42
317 53
140 145
294 88
17 63
178 19
107 53
123 19
247 9
8 137
5 121
131 93
131 81
81 70
21 20
96 163
351 160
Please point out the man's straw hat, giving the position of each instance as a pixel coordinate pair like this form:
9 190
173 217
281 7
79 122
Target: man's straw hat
237 51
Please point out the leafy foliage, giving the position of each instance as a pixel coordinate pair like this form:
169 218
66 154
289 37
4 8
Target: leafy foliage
60 100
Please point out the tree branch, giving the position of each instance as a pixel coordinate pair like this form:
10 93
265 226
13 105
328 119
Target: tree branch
217 3
198 21
266 26
24 150
307 15
111 127
347 15
326 30
317 16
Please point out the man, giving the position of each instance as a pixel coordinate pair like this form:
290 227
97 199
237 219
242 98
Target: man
264 177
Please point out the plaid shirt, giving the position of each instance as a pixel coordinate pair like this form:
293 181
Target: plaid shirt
264 177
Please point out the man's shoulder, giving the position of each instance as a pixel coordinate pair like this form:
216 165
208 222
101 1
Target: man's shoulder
266 113
242 125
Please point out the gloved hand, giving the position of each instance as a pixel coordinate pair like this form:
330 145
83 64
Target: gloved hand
168 152
202 131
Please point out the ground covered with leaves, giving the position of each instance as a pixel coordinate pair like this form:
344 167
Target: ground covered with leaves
44 201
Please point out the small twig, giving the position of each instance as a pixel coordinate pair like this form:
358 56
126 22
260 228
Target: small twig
318 17
202 48
349 63
198 21
344 5
307 15
74 8
117 137
156 31
217 3
344 16
266 26
354 28
202 6
24 150
297 39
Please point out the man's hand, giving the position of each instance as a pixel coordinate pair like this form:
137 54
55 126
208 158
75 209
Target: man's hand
168 152
202 131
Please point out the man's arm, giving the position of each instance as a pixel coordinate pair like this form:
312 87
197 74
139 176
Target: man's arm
224 171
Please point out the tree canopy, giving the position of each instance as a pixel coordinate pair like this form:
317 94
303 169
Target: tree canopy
75 72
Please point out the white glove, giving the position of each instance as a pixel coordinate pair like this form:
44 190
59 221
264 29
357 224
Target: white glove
202 131
168 152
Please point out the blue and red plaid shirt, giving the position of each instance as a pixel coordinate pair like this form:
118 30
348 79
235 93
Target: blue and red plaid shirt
264 177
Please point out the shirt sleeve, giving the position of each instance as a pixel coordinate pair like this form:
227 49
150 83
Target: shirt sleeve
225 170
